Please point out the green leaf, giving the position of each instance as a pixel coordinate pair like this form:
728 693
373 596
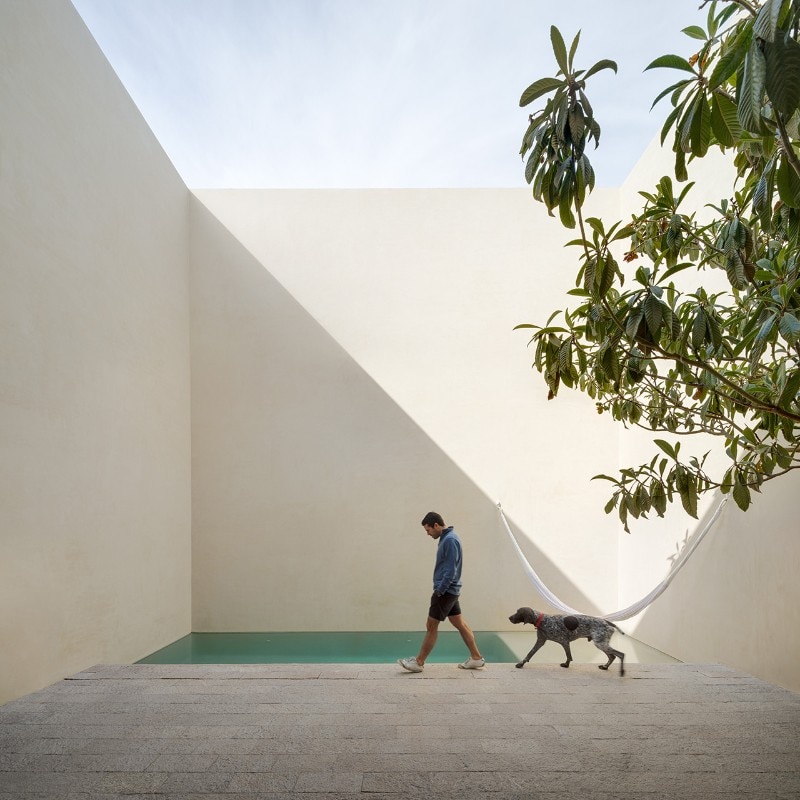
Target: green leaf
588 170
565 208
623 516
695 32
787 182
594 131
783 74
565 357
559 49
658 497
783 457
712 21
673 115
751 91
666 447
680 165
633 322
789 395
674 87
766 329
538 88
654 315
762 196
604 63
699 329
724 121
577 123
714 331
609 273
676 268
731 58
590 275
734 266
684 192
688 493
580 185
741 494
760 342
530 167
573 48
545 331
789 326
700 134
547 188
672 62
766 22
684 126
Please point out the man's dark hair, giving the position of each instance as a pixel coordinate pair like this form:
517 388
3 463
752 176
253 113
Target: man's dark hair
432 518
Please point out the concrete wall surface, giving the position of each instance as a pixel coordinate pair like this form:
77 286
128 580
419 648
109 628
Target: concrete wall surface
736 601
422 289
94 362
310 481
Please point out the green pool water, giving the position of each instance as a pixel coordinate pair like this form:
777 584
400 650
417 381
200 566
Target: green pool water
376 647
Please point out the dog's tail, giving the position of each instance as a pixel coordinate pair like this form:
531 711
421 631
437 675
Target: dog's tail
615 627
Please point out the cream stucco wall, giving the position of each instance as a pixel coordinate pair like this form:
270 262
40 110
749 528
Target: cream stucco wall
309 478
94 362
421 289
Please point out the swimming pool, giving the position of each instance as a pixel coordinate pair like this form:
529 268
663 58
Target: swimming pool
376 647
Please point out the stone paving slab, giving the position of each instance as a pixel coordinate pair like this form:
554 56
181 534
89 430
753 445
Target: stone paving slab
333 732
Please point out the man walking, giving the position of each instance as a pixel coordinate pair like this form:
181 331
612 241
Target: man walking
444 601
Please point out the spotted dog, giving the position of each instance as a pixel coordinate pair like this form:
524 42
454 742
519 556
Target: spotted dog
561 629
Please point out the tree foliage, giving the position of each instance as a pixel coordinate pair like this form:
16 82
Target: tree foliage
650 348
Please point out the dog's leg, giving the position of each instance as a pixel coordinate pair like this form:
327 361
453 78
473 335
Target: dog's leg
540 640
612 654
565 645
621 656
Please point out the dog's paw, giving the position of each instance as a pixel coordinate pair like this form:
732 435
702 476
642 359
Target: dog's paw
520 665
602 666
565 665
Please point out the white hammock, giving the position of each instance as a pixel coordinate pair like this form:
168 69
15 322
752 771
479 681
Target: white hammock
631 610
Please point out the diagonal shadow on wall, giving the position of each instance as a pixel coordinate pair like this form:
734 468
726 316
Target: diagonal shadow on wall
309 481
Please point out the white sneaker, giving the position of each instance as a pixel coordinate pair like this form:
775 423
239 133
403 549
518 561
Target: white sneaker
410 664
473 663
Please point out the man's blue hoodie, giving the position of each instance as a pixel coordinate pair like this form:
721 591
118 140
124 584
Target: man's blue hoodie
447 572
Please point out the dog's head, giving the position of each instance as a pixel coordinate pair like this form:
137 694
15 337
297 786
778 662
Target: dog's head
525 615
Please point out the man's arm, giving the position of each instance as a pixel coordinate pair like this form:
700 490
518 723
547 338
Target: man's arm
447 568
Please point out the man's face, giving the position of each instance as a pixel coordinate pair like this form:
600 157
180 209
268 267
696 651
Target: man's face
434 531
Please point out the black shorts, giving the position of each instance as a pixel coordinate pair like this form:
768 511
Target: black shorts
445 605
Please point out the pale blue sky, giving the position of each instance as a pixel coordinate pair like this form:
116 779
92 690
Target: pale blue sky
377 93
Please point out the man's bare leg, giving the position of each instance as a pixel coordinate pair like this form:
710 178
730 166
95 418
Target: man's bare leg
431 634
460 624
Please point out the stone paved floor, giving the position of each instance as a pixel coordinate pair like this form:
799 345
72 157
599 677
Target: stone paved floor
347 731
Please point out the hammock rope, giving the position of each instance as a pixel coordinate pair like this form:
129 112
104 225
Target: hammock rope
624 613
